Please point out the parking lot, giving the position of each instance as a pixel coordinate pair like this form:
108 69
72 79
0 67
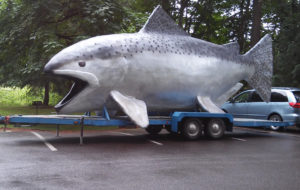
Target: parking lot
131 159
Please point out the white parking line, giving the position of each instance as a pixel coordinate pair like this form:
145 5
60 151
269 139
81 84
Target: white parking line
238 139
155 142
129 134
50 146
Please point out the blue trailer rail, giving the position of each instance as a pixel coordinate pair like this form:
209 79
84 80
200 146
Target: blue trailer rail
243 122
190 124
77 120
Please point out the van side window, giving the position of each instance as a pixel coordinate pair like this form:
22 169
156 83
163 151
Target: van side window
255 98
242 98
278 97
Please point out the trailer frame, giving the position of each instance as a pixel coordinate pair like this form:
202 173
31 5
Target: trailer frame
174 122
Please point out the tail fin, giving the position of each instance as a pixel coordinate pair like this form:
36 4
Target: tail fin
262 57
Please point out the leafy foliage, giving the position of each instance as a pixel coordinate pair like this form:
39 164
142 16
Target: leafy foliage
287 44
32 31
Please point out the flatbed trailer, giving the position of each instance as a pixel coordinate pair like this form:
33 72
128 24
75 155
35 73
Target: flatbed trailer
189 124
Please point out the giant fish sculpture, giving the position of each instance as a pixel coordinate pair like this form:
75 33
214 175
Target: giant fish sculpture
160 68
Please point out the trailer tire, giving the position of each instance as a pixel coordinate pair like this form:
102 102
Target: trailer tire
215 129
154 129
192 128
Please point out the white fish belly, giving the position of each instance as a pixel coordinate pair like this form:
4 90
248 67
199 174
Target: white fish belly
172 81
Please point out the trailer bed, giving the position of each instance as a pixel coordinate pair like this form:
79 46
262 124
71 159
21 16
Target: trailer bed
120 121
79 119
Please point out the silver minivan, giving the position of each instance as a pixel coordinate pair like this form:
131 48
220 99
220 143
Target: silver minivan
284 106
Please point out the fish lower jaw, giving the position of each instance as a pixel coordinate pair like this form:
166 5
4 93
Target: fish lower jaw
65 111
77 90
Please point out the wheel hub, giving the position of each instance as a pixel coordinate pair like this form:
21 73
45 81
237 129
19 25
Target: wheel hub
215 128
275 118
192 129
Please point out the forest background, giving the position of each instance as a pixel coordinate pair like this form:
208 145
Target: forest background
32 31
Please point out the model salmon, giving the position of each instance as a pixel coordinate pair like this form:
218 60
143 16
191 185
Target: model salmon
160 68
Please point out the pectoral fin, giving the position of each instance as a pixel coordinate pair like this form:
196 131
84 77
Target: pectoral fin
206 104
134 108
222 99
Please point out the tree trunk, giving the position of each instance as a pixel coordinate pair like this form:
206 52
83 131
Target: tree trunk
240 34
166 6
256 20
183 5
46 95
242 31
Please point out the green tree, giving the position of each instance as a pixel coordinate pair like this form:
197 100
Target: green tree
287 45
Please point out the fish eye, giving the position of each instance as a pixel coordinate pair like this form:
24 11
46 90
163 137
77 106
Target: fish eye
81 64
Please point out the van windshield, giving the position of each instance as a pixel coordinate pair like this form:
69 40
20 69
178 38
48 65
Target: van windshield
297 96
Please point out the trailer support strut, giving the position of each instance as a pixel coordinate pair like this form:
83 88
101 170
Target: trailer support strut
81 129
6 121
57 130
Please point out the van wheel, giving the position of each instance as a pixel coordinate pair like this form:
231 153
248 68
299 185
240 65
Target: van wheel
154 129
275 117
192 129
215 129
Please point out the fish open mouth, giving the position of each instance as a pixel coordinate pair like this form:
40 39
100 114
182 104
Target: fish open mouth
77 87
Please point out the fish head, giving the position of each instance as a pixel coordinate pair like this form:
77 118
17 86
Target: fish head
94 69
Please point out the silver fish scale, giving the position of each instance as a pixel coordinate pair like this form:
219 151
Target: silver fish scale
128 47
163 44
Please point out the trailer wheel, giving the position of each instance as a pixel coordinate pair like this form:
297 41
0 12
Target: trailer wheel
215 128
192 129
154 129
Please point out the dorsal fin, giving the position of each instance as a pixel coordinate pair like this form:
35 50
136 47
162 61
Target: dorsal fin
233 46
160 22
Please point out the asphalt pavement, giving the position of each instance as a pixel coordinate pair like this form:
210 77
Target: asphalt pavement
132 159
